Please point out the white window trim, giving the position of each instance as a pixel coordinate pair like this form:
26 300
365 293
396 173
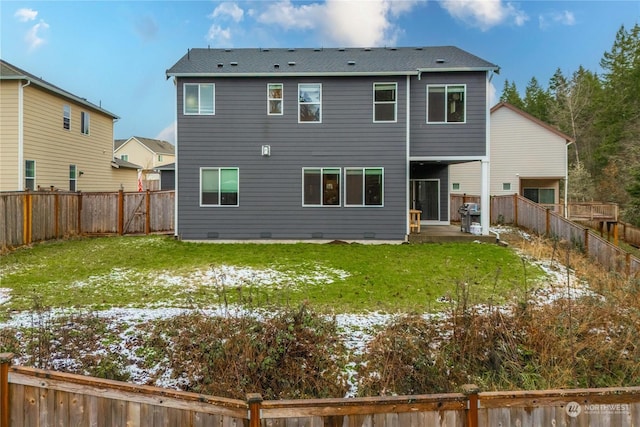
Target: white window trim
74 179
35 187
446 87
322 169
85 121
219 205
64 116
281 99
309 103
363 204
199 113
395 103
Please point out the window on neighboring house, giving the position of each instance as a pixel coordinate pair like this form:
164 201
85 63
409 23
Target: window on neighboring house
363 186
66 117
30 175
159 157
310 102
73 176
384 102
84 122
124 157
199 98
540 195
274 99
455 186
506 186
321 186
219 186
446 104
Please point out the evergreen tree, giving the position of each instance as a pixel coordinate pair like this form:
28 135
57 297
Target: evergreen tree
510 94
537 101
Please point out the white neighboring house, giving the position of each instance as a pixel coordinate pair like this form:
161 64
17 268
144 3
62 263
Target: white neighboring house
149 153
528 157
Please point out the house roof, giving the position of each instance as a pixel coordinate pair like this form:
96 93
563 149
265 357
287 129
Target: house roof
119 163
11 72
156 145
167 167
252 62
533 119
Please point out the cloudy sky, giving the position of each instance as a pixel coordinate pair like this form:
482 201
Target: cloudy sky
115 53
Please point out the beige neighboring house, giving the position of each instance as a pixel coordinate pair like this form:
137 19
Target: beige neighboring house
528 157
149 153
53 139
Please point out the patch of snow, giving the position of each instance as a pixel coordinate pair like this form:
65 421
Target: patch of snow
5 295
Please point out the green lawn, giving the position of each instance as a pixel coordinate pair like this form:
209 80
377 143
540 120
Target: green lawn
161 271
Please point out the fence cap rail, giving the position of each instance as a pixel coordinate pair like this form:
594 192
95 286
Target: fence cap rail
128 387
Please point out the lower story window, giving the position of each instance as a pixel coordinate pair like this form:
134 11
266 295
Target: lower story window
540 195
30 175
219 186
73 174
364 186
321 186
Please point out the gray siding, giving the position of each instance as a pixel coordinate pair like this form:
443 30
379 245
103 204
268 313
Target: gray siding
455 139
270 195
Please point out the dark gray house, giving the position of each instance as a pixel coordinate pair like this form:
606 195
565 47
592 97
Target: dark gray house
324 143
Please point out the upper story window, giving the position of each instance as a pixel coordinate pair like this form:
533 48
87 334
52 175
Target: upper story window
124 157
30 175
310 102
321 186
66 117
363 186
199 98
219 186
384 102
274 99
73 176
446 103
160 157
84 122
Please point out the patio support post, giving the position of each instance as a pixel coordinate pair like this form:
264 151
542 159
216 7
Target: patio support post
5 361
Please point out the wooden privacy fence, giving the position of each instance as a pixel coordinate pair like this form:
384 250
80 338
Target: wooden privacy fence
522 212
31 397
27 217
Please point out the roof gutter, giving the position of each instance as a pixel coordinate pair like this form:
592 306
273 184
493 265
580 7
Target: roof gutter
62 93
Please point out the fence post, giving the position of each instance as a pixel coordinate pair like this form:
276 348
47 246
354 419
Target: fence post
27 212
547 228
586 241
515 209
5 361
147 219
120 212
471 391
79 196
254 400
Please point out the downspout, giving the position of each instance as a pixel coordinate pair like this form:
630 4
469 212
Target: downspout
566 180
408 153
21 87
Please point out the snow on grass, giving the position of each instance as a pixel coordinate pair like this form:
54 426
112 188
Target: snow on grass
357 330
5 295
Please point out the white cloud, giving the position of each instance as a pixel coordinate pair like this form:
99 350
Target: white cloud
335 22
219 36
34 37
168 134
228 10
25 15
562 18
484 14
